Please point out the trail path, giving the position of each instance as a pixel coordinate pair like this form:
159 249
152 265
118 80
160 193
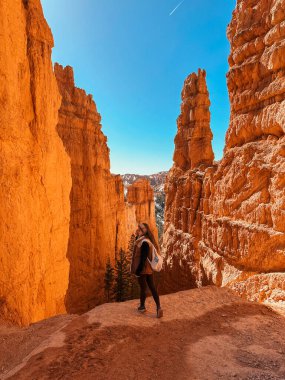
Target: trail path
205 334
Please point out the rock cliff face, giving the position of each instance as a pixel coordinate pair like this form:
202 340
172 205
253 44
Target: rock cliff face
225 222
157 182
95 198
101 222
62 212
35 178
141 195
183 187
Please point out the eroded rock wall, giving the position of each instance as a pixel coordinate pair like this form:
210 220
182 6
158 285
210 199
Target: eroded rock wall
102 221
140 197
97 200
62 212
35 178
234 232
183 188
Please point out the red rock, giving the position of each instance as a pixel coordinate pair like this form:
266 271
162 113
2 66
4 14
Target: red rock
101 221
62 212
35 177
141 195
193 139
225 223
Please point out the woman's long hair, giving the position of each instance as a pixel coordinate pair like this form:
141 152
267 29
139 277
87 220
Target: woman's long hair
149 235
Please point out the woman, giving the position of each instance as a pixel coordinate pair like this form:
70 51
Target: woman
141 267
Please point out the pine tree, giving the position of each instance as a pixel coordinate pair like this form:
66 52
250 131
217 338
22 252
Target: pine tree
134 288
109 280
134 291
131 246
122 278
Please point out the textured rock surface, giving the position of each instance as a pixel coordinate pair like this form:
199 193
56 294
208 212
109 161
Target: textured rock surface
256 77
62 212
207 333
193 138
183 187
157 182
141 195
35 178
101 220
92 234
225 223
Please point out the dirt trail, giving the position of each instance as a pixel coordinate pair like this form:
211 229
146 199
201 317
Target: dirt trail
206 334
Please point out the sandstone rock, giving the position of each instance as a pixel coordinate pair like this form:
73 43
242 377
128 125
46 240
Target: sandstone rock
256 80
102 222
141 195
97 198
183 187
61 207
234 210
193 139
157 182
35 178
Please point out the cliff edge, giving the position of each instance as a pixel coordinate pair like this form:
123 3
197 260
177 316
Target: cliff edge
207 333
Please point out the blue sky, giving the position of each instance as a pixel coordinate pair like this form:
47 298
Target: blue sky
133 57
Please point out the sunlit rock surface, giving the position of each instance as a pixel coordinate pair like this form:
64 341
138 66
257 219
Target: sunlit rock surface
35 178
225 222
101 220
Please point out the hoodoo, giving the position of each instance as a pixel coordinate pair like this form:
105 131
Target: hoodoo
192 156
225 222
193 140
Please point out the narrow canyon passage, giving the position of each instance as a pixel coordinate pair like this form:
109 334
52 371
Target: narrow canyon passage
64 216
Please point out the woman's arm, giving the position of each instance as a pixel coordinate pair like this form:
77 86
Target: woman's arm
144 254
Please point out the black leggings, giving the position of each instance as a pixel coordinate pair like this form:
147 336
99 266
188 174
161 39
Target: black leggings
147 279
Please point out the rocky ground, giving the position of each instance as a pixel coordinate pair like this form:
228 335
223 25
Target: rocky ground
205 334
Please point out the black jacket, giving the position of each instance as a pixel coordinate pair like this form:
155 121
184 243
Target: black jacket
144 254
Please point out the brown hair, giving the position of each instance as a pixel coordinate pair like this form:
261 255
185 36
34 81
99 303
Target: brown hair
149 235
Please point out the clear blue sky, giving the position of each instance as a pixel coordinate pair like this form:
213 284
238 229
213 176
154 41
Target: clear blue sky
133 57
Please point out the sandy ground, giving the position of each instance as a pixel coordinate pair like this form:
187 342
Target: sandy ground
205 334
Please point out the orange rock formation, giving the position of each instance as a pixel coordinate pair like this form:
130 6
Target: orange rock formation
193 140
101 222
35 178
225 222
95 198
141 195
62 212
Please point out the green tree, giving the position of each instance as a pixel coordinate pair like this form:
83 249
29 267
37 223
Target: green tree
122 282
109 280
134 291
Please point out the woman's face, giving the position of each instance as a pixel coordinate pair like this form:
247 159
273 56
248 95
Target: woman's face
140 230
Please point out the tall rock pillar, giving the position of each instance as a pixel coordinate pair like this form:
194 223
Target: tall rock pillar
183 188
35 178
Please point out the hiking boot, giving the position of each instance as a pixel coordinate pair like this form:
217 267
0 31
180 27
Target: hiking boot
159 312
142 309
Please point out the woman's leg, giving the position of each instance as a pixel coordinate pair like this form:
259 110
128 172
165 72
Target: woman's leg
149 280
142 284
